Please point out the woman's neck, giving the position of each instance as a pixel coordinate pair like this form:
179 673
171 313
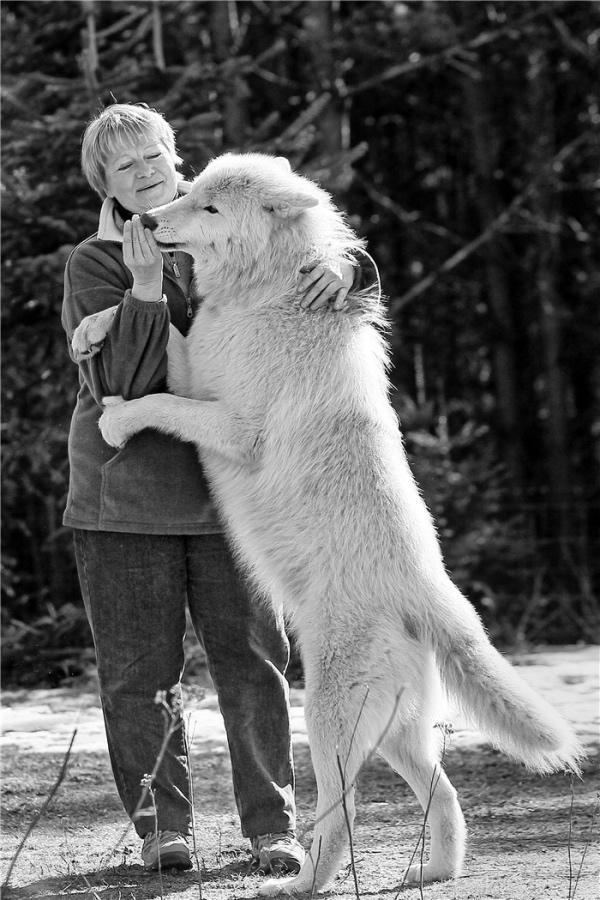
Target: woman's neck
125 214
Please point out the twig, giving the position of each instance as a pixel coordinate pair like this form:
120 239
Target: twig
358 718
42 810
152 792
587 844
570 837
348 824
435 777
315 867
188 743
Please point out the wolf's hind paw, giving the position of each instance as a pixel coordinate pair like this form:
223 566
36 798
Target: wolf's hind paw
282 887
426 873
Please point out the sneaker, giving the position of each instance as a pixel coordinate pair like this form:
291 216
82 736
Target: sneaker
277 853
171 847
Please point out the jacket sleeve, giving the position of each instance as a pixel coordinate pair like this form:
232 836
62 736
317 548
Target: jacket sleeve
133 358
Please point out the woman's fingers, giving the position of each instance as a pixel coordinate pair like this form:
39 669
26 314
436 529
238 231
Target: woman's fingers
143 240
139 241
141 253
323 289
340 299
309 273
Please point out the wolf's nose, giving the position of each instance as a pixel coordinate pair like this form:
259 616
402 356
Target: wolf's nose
148 221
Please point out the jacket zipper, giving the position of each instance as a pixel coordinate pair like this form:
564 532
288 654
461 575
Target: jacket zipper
189 309
176 271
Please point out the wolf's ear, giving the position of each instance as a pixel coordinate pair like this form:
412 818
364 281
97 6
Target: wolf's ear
283 163
288 205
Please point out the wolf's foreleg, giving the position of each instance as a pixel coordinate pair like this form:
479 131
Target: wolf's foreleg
177 376
205 423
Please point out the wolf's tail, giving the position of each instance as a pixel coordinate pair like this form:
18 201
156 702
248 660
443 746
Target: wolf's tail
490 692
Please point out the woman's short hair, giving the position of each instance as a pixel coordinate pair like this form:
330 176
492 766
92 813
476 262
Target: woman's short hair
118 124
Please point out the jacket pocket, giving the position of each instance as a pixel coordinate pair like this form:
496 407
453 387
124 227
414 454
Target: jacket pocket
155 482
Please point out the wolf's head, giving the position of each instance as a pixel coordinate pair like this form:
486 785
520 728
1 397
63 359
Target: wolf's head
250 214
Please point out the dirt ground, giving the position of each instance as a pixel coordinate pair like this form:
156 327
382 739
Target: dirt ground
529 837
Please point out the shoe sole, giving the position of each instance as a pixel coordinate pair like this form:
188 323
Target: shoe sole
171 861
283 867
278 866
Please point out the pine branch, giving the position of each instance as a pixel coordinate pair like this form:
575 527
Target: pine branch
407 218
496 225
447 55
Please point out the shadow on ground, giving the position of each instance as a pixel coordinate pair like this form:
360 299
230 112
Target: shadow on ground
519 828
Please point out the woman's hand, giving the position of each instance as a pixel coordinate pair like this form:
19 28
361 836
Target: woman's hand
142 256
322 287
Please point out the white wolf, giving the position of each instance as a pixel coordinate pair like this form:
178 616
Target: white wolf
290 414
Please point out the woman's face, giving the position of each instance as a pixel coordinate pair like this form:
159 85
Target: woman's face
141 174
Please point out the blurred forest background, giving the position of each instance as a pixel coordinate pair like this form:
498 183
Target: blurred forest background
462 138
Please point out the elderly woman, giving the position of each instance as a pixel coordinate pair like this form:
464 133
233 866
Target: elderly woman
147 540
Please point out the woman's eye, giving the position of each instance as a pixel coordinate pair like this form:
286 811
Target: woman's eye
211 209
124 167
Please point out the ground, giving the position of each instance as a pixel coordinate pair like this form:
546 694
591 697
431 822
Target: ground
530 838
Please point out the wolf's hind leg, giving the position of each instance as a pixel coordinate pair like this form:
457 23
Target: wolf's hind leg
412 750
337 753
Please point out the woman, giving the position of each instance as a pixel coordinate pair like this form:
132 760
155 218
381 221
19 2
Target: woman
146 536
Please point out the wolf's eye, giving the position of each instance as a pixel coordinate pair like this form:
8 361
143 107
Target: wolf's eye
211 209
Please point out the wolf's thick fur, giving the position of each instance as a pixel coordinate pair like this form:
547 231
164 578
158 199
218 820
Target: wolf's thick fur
290 414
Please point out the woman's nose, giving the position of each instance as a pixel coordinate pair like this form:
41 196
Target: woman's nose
144 168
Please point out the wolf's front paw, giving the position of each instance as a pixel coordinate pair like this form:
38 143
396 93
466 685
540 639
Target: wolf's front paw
89 335
114 421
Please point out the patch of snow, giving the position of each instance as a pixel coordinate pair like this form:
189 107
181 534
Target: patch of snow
41 721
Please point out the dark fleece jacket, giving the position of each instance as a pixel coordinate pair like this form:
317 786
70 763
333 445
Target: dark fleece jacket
154 485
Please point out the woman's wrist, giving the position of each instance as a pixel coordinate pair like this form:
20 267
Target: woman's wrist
149 292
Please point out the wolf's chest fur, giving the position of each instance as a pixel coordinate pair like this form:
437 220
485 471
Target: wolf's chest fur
245 356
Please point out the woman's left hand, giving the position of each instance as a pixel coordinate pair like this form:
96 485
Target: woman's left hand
322 287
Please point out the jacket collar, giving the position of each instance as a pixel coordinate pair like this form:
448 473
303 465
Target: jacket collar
110 224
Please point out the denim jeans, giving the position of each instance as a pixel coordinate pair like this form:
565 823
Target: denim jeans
135 588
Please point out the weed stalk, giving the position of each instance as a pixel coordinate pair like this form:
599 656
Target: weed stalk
573 887
348 826
446 729
42 810
188 756
173 720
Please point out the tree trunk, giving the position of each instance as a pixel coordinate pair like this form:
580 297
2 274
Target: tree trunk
504 356
551 314
88 59
318 23
235 92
